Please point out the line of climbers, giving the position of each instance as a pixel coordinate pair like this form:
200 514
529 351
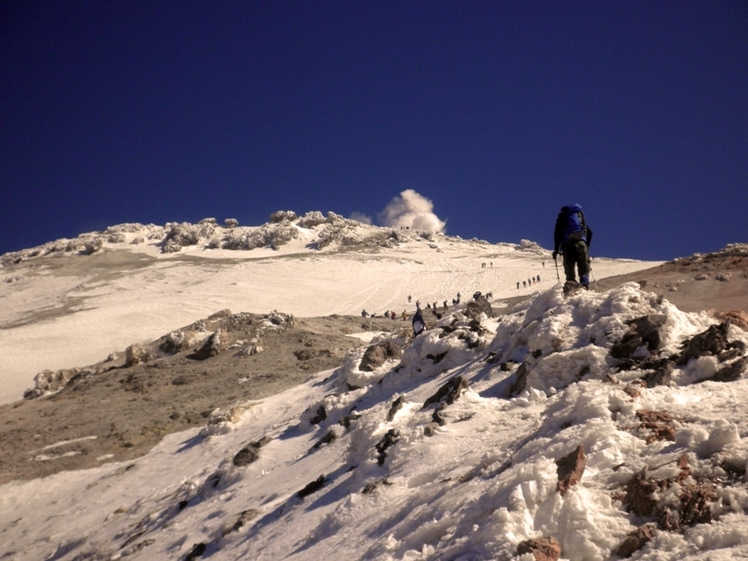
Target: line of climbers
571 237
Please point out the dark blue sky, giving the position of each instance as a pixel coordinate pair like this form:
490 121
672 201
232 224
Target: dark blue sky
498 112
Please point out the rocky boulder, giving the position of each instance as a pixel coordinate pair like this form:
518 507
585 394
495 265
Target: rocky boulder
476 308
570 469
214 345
376 355
542 549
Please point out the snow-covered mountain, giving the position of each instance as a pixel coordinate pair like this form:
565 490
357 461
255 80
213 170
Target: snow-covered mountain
600 426
70 303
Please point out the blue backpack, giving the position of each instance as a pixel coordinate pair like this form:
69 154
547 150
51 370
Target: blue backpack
576 228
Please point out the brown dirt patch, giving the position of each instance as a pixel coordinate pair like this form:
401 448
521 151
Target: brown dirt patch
122 413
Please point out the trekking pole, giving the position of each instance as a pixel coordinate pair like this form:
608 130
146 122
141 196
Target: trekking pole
592 274
558 278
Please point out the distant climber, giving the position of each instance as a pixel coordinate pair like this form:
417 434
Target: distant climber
572 237
418 323
364 313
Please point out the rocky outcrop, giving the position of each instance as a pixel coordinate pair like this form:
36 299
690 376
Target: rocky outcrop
542 549
677 503
376 355
183 234
643 331
711 342
476 308
250 453
283 216
214 345
570 469
135 354
388 440
48 381
636 540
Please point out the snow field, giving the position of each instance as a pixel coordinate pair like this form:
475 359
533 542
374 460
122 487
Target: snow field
484 480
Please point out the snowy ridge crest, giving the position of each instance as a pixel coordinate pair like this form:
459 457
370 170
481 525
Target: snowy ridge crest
318 230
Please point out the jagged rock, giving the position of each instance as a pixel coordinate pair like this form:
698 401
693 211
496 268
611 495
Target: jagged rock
92 246
313 487
713 341
437 416
475 308
661 376
280 320
389 439
282 215
250 453
330 437
376 355
241 521
184 234
570 469
251 349
692 504
695 507
214 345
135 354
320 416
649 329
724 277
645 330
437 358
395 407
449 392
347 420
640 491
636 540
659 424
732 372
222 421
175 342
626 346
520 380
231 223
48 381
312 219
116 238
371 487
196 552
542 549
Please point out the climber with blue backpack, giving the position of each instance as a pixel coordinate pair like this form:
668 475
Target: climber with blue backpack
572 238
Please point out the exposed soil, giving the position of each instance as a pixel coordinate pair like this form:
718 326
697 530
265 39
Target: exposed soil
122 413
693 284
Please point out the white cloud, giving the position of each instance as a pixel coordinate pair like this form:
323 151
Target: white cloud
361 217
411 210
